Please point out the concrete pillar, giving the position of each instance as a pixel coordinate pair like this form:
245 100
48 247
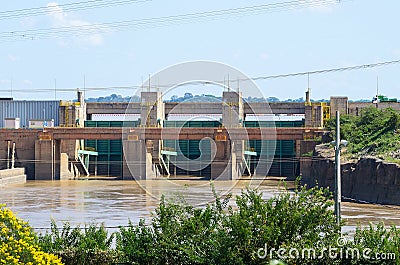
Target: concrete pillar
314 116
137 162
224 165
339 104
152 113
65 172
229 153
232 109
44 160
152 109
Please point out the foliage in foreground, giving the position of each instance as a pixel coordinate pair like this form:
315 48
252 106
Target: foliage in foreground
217 234
373 132
88 245
250 232
18 242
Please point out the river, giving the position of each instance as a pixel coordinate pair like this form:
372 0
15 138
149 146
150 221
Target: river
115 202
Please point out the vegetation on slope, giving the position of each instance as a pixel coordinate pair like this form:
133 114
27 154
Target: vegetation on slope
374 132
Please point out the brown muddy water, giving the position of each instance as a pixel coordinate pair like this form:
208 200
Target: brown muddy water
115 202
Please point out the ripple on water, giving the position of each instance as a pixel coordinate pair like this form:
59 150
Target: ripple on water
115 202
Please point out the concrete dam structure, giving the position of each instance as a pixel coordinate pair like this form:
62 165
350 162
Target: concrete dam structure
219 140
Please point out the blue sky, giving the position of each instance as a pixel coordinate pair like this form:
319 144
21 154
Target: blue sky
327 36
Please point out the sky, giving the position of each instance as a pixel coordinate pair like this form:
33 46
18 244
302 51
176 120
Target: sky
309 35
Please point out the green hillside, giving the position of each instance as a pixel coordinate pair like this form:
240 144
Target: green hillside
375 132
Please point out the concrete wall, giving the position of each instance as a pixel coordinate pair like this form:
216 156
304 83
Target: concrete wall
339 104
44 158
12 176
24 150
137 161
66 170
314 116
356 107
232 109
224 165
152 109
197 108
275 107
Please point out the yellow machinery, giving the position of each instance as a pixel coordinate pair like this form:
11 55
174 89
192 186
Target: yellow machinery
316 109
69 112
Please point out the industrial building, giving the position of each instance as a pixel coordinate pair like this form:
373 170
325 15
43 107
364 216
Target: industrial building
29 110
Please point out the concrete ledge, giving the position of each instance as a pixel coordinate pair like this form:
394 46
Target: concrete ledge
12 176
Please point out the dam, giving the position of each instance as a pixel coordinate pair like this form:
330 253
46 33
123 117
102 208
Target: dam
216 140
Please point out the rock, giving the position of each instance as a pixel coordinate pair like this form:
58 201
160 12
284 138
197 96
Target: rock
367 179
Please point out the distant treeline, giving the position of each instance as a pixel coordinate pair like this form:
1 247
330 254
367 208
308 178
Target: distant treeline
189 97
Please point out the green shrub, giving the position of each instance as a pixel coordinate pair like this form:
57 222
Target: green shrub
217 234
89 245
374 132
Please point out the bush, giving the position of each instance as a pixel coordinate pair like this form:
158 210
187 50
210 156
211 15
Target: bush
217 234
373 132
18 242
88 245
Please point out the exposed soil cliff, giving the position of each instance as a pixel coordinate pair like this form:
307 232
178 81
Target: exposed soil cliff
367 179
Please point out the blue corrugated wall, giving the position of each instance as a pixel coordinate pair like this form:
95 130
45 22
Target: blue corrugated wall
29 110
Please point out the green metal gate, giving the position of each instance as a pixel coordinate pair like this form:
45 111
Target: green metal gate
109 160
284 162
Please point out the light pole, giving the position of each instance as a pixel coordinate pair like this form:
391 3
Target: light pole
338 184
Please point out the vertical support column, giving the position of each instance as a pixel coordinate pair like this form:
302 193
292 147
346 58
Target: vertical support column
137 160
224 165
152 113
44 160
232 109
339 104
13 156
232 117
314 115
57 160
8 153
151 109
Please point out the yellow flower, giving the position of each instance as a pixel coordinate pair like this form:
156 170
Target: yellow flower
16 238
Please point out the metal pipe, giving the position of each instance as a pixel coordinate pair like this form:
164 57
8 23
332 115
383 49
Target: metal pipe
8 154
13 155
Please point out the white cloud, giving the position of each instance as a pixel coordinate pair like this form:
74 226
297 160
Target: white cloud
264 56
12 58
61 19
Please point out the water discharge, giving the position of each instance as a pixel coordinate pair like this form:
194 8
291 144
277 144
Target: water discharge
115 202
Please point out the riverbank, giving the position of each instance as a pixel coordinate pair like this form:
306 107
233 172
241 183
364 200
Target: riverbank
367 179
12 176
